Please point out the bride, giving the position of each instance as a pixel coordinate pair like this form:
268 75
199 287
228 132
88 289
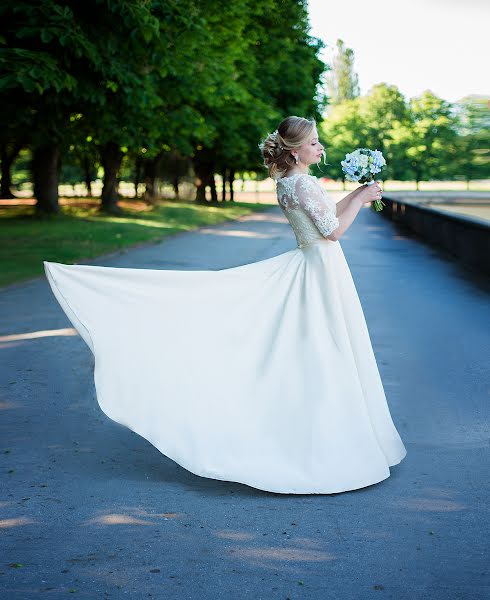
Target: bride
261 374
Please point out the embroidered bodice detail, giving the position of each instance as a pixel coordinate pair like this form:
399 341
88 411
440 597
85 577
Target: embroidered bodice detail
308 208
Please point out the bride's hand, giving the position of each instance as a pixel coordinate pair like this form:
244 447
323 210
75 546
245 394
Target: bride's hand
369 193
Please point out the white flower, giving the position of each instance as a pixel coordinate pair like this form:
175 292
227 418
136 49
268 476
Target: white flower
378 158
358 166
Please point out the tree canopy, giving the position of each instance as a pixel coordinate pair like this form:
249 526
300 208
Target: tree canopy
343 81
422 138
149 81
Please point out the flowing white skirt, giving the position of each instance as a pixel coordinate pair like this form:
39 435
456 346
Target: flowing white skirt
261 374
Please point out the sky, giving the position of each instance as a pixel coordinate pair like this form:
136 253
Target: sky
440 45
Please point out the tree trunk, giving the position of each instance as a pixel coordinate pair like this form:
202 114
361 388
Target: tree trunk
223 187
150 179
203 180
212 186
152 169
231 179
137 175
7 157
204 170
87 175
111 157
45 169
175 184
417 170
200 191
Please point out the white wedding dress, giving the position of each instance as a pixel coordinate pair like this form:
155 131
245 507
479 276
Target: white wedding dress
262 374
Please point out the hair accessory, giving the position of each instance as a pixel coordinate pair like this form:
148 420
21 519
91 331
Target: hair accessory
274 135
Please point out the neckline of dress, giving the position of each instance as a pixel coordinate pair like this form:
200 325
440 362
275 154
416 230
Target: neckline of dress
293 175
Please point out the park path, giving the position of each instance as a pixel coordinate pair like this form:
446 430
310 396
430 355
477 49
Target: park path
91 506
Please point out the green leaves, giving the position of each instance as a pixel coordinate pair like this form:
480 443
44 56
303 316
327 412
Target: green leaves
32 72
46 36
418 137
168 76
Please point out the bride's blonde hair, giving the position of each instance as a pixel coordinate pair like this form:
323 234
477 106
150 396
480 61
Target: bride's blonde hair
276 148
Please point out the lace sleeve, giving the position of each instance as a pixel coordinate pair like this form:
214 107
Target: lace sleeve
312 199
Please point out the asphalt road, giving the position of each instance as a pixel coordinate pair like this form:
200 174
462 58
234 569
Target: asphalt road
90 508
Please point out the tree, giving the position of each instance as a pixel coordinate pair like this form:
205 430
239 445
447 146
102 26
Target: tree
342 132
273 72
432 144
8 153
418 138
473 126
385 117
151 82
60 59
343 82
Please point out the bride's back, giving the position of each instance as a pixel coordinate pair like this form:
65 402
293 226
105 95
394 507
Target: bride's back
309 210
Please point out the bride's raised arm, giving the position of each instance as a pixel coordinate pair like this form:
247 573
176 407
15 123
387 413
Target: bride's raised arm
341 204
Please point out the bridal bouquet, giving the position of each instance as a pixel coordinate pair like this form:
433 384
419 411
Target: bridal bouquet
362 165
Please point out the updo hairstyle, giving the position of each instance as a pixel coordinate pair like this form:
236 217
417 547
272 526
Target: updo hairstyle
292 133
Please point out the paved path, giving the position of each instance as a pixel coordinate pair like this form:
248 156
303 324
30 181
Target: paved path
93 507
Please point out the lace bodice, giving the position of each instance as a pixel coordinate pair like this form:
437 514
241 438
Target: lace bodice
308 208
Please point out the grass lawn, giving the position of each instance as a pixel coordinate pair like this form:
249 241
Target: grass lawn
79 232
